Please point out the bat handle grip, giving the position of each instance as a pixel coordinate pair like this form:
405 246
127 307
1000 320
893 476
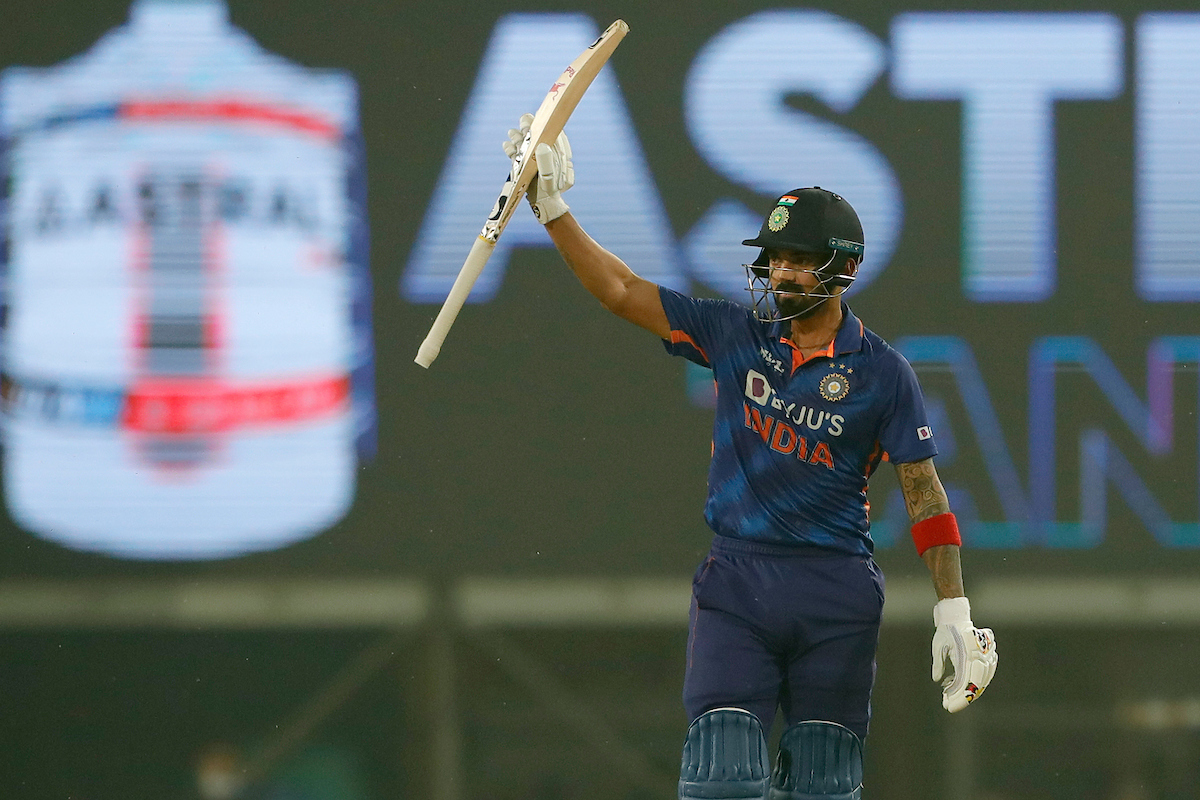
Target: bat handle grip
481 251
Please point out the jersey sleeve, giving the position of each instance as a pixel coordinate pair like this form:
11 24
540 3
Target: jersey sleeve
698 326
905 434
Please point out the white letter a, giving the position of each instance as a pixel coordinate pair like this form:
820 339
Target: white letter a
616 197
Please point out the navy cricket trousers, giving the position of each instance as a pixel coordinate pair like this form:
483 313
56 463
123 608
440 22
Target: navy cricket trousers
782 627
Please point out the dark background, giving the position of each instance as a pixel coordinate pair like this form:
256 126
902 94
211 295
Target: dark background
550 437
494 463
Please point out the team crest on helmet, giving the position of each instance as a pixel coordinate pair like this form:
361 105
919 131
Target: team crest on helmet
778 219
834 386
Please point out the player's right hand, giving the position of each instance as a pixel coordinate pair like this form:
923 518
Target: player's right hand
516 136
555 175
964 657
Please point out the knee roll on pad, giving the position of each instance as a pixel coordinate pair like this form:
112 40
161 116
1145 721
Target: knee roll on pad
725 757
818 761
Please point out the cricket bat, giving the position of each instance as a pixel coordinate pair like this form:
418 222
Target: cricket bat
547 124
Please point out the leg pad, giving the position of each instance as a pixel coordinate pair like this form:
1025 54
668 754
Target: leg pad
725 757
818 761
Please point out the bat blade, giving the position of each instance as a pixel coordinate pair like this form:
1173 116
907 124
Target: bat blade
548 123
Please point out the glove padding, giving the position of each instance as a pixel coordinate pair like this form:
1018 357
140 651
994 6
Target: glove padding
964 657
555 175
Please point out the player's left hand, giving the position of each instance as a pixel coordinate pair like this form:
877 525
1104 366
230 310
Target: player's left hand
964 657
556 172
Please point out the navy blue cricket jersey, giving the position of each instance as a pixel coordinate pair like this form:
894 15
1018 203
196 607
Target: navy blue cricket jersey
795 440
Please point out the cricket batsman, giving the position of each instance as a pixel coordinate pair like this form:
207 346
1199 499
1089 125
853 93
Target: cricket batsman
786 606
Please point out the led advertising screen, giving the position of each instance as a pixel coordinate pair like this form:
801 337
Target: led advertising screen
184 246
226 235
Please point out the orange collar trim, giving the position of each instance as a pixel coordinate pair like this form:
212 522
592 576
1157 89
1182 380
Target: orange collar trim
798 358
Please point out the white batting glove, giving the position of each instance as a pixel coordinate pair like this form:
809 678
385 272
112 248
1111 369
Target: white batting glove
964 657
516 136
555 175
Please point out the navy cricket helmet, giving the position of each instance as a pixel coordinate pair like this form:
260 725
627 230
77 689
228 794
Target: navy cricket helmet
812 221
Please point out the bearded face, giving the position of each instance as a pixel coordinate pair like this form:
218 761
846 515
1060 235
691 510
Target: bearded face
795 302
796 283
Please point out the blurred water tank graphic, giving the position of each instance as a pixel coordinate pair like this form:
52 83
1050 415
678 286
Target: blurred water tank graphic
187 352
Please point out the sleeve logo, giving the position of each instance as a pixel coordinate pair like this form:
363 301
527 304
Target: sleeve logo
924 432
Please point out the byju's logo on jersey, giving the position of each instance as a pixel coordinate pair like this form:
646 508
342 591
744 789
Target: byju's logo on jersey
758 388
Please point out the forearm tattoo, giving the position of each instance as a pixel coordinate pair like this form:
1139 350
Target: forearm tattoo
924 496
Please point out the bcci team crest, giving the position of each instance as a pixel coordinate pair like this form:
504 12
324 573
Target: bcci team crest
834 387
778 219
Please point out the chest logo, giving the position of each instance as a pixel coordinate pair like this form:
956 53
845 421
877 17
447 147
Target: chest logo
775 363
834 387
758 388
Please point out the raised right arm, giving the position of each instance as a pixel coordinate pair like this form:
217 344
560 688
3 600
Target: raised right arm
608 278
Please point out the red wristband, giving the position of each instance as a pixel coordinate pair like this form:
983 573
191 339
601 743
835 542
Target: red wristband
942 529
